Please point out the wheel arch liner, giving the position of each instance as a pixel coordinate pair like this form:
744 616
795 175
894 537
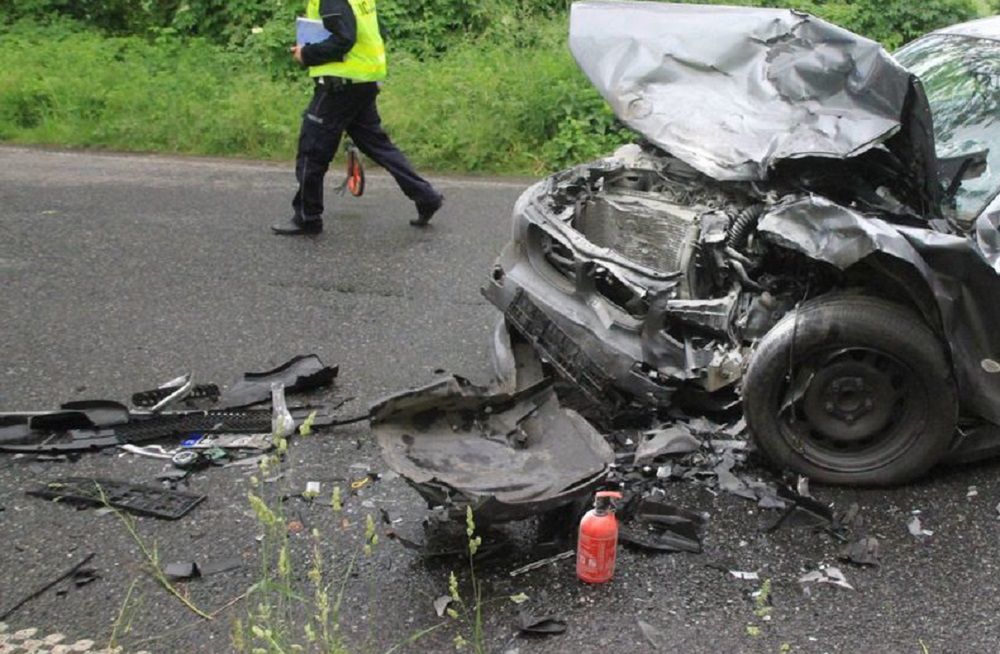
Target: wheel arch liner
507 455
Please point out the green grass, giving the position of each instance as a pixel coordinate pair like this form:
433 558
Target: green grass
473 110
130 94
506 99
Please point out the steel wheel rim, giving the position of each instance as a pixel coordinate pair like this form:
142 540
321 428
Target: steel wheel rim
852 409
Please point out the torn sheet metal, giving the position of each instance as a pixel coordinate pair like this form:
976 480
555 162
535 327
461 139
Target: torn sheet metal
302 373
767 85
509 456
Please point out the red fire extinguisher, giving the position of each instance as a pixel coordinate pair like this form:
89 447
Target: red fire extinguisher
598 540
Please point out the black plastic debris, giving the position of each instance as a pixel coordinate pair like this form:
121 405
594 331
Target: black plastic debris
863 552
144 428
13 428
800 511
147 399
141 500
540 624
508 456
652 524
299 374
82 414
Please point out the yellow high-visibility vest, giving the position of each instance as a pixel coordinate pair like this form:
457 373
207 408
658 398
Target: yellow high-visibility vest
366 60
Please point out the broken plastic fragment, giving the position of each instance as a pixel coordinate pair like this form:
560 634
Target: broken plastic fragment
302 373
540 625
177 389
441 604
916 529
142 500
656 525
181 570
745 576
282 423
676 439
312 490
828 575
863 551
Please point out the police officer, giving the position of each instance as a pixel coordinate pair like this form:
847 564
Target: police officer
346 69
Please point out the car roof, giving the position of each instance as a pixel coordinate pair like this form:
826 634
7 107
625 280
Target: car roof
982 28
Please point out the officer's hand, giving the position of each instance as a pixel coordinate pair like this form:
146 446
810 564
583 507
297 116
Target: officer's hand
296 51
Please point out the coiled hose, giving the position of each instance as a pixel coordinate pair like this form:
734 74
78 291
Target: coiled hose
744 222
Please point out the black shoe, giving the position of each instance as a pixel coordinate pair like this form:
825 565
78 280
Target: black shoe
297 226
426 211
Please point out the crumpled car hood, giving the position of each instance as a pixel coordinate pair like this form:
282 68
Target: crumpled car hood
733 90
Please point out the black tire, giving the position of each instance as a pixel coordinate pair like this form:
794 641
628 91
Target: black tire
852 390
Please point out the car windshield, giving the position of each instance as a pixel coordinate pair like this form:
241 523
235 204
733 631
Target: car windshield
961 76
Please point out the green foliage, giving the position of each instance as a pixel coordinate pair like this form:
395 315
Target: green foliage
474 109
891 22
475 86
127 93
430 27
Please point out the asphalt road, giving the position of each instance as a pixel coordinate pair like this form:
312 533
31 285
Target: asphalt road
119 272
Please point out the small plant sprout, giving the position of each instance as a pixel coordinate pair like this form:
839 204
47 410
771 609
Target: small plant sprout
470 530
306 427
335 502
371 536
762 600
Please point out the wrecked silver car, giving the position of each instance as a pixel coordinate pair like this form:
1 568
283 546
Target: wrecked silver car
807 227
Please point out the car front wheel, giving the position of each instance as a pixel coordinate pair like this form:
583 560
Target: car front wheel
851 389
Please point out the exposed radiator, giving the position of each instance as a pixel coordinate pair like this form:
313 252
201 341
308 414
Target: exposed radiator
657 234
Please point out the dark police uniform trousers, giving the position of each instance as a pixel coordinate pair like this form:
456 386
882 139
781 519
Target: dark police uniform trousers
337 106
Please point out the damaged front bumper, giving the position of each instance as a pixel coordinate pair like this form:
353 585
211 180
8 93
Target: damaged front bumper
599 319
